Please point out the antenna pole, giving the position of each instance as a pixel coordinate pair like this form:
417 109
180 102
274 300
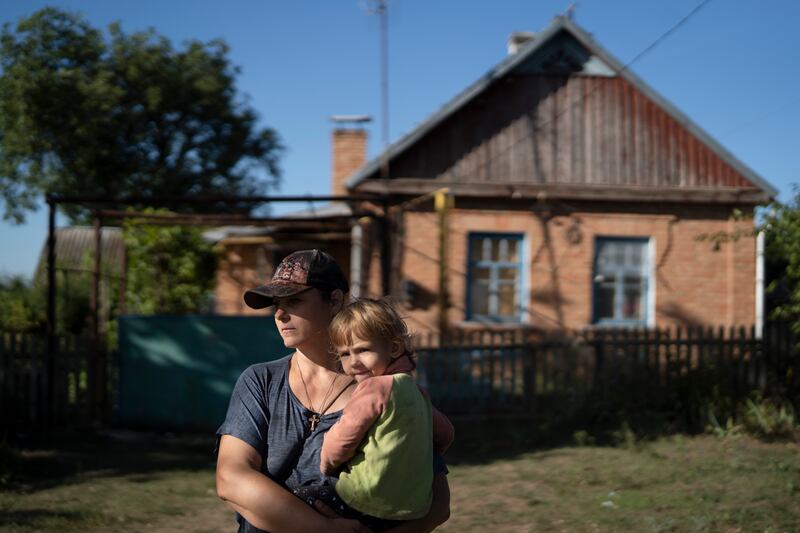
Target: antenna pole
383 9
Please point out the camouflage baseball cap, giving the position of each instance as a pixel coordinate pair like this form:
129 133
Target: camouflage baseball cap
299 272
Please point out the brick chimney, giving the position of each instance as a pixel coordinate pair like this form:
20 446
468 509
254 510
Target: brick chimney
349 151
517 40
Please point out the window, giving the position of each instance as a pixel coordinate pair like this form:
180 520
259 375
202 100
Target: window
621 281
494 277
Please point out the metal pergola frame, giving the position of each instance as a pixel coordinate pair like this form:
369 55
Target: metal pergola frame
104 213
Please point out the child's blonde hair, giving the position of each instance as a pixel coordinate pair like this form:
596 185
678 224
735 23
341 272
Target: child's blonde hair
370 319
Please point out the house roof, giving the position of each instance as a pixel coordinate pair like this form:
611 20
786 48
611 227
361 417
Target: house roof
603 63
328 212
75 250
331 209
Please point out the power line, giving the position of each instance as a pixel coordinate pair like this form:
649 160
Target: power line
666 34
761 117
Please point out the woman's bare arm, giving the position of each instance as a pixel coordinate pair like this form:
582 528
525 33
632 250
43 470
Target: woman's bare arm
261 501
438 514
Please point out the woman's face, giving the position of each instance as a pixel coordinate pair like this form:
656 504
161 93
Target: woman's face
304 318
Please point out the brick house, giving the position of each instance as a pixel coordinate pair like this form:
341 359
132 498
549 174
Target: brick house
581 198
576 196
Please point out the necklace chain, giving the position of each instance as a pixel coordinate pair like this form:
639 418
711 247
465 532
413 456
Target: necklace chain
314 419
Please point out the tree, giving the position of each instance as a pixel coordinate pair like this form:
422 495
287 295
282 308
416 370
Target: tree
21 307
23 304
782 251
171 269
84 113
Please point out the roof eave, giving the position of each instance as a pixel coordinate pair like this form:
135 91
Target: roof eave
414 187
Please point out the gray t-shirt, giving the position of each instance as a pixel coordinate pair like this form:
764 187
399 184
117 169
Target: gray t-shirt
265 413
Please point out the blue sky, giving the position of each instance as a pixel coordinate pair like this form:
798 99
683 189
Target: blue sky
734 68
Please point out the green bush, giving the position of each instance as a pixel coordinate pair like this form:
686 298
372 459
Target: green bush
729 429
769 419
625 438
22 307
764 418
583 438
171 269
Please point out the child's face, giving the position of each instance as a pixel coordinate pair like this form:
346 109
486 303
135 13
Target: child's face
364 359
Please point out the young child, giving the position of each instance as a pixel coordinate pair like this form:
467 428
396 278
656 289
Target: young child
383 445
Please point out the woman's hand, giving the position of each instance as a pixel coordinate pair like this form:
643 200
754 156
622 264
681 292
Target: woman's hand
438 514
337 522
343 525
325 510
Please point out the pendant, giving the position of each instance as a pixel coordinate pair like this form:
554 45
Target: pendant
313 420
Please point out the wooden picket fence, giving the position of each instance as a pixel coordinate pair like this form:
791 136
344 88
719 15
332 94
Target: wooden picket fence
524 372
77 396
486 372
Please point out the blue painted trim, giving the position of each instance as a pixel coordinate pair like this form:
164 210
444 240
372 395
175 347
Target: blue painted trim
618 285
493 266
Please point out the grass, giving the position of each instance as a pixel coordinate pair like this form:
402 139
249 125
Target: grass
703 483
126 483
673 484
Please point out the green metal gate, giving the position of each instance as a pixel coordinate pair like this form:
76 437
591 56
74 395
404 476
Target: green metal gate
176 373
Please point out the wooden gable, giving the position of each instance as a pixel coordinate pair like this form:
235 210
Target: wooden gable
566 119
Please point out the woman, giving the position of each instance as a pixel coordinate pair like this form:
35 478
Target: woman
279 411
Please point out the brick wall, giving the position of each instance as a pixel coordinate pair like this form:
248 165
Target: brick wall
247 265
242 267
349 154
696 282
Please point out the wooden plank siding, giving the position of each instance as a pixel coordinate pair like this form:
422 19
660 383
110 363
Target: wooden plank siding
559 129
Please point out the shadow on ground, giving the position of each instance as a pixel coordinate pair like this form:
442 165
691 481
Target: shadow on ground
484 440
36 463
37 518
